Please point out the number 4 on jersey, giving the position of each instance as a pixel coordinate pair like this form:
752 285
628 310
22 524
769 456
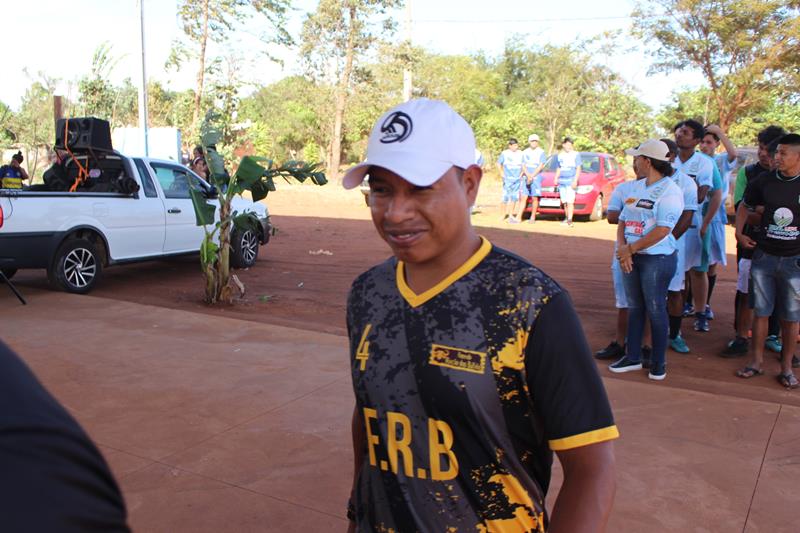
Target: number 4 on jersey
362 353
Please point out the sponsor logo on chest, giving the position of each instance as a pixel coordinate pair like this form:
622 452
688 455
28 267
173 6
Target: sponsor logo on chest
457 358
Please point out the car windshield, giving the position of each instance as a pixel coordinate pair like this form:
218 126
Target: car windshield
589 163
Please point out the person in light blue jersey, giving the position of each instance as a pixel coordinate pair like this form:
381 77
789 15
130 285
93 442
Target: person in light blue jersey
675 296
533 161
566 179
510 166
647 253
616 348
700 168
726 164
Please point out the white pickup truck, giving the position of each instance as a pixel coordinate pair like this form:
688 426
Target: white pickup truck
74 235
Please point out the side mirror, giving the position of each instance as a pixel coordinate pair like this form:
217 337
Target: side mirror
212 192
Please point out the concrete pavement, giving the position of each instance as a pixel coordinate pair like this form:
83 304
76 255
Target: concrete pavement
216 424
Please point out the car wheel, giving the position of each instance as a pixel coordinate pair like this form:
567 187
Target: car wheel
597 210
76 267
9 272
244 248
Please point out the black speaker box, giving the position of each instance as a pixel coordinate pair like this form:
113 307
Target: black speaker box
84 133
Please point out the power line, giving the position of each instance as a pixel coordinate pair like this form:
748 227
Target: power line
507 21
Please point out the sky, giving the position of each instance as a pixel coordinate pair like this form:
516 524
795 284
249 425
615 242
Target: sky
58 39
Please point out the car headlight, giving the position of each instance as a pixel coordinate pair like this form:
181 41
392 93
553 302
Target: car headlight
584 189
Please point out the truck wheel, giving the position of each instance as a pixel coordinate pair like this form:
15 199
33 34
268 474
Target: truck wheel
244 248
597 210
9 272
76 267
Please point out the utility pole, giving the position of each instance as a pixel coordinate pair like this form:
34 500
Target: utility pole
143 87
407 77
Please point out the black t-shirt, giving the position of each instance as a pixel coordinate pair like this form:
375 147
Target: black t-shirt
465 391
751 172
779 234
52 478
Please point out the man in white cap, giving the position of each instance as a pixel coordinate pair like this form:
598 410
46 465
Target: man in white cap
533 161
451 339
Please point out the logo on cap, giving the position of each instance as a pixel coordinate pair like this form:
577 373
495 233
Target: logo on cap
396 128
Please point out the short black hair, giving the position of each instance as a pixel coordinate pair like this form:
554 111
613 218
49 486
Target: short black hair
663 167
567 140
706 132
790 139
672 146
696 127
770 134
512 140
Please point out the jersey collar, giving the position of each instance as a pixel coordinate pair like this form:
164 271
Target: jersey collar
415 300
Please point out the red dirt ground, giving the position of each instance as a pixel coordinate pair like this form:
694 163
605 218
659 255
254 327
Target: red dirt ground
294 284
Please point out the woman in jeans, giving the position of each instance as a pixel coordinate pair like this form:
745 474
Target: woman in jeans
646 251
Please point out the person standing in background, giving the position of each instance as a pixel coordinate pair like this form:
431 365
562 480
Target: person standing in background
567 174
534 159
12 175
510 166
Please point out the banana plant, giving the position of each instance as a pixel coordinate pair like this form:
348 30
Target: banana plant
254 174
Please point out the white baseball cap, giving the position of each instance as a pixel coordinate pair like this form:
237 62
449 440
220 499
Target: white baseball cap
653 148
533 137
418 140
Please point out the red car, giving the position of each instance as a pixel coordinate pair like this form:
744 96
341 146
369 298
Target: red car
600 174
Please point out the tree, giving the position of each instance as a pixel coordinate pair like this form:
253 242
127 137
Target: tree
287 119
32 127
611 120
206 21
254 174
744 48
96 93
336 37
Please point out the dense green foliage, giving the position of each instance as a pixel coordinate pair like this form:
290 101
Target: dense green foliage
746 49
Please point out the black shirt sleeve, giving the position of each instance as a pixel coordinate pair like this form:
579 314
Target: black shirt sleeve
52 477
563 381
753 195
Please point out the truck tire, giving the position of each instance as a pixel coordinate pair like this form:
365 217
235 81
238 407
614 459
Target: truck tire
76 267
244 248
9 272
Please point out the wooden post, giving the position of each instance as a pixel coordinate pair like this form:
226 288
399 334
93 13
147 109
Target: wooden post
58 110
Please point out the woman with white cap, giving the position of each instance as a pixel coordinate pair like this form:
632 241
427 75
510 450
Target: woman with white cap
647 253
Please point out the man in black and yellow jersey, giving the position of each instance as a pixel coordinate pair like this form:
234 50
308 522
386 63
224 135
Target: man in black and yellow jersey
469 364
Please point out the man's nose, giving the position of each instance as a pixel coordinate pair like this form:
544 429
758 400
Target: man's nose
400 208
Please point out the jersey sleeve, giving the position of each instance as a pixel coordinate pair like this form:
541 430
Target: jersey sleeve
578 162
716 183
741 183
616 201
705 174
502 158
689 195
562 377
669 209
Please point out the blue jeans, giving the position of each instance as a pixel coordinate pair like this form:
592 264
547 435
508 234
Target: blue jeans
775 285
646 291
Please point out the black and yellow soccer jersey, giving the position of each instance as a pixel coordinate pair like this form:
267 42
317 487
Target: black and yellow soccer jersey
465 391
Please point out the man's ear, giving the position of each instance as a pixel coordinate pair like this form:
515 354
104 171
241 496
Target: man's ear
471 180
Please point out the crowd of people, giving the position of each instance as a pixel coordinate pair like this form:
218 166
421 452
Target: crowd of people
671 241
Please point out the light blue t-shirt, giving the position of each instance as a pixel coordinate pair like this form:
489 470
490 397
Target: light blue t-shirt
647 207
512 164
568 162
532 158
689 189
617 200
725 168
699 167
